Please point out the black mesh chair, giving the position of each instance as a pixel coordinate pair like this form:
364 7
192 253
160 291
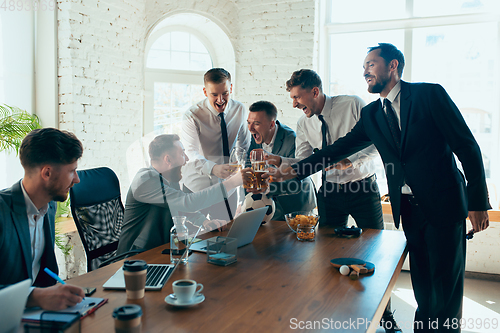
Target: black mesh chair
98 212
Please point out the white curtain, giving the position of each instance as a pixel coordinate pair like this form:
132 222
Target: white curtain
16 77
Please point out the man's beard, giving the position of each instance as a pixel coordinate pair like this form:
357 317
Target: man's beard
56 194
379 85
174 174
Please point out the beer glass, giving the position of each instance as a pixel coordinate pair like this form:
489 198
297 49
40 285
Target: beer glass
259 166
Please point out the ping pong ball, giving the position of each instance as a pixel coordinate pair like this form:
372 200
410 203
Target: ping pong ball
344 270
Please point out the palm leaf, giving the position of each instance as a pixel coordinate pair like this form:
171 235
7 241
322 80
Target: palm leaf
15 123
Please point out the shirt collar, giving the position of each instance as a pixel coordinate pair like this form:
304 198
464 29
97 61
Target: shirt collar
327 107
276 126
393 94
30 206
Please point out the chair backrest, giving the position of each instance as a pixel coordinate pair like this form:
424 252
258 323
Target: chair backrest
98 211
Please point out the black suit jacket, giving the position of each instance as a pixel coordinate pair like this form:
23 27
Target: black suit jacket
432 129
15 248
292 195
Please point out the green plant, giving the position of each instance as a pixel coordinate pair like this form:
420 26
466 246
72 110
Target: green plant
15 123
63 211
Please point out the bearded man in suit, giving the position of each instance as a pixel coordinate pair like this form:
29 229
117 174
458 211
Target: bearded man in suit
27 215
417 129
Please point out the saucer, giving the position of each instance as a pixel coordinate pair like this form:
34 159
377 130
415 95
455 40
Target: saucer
197 299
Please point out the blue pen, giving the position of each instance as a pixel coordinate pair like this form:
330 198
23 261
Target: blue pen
55 277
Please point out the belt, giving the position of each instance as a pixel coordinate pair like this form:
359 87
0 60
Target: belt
368 179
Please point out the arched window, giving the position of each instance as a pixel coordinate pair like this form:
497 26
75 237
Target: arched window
178 53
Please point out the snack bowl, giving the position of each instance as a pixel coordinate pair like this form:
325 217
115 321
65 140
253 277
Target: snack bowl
293 219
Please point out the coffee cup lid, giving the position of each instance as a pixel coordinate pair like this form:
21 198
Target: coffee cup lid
134 265
127 312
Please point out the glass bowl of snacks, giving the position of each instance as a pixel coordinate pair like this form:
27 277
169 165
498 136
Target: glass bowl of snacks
303 218
306 232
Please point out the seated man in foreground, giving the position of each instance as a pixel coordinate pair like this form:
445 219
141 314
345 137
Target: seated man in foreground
27 216
272 136
155 196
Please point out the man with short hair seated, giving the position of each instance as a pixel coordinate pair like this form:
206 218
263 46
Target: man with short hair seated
27 216
277 138
155 196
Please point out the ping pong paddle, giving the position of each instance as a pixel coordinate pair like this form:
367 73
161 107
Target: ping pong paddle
357 266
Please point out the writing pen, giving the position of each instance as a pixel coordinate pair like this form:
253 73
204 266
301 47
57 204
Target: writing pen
55 277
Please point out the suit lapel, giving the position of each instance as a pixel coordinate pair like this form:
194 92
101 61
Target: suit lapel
405 105
278 142
20 219
384 127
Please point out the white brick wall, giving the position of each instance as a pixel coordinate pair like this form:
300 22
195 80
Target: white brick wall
101 51
100 69
271 39
276 39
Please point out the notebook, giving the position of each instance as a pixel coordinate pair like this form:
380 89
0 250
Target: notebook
12 302
244 229
85 307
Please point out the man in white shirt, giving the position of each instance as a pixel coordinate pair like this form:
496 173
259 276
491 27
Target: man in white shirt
27 215
349 187
211 129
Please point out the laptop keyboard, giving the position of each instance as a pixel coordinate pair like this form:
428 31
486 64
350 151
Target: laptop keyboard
156 276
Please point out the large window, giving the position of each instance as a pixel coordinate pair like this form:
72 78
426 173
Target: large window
179 50
455 43
175 63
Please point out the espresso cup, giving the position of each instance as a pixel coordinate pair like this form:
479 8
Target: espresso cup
134 272
184 290
128 318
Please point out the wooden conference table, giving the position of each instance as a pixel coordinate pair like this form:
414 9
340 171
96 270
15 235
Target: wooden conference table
278 284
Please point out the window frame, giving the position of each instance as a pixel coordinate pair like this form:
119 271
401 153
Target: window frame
408 24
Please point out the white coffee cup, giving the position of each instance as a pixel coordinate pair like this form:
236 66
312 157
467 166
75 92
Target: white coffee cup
185 290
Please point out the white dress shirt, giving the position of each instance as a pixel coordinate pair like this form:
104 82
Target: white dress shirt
393 97
269 147
202 139
341 113
37 236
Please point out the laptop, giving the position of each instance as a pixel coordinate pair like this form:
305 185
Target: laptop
13 301
244 229
157 275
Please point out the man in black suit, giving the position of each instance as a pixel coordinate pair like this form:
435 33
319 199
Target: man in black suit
27 214
274 137
417 128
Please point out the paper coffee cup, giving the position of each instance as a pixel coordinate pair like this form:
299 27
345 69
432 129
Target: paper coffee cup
128 318
134 272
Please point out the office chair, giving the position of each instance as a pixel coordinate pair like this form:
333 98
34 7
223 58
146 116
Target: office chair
98 212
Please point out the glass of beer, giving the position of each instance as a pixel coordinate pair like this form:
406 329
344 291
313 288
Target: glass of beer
259 166
237 159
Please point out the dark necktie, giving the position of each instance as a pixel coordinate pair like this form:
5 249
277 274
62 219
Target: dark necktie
324 143
392 120
225 143
324 130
